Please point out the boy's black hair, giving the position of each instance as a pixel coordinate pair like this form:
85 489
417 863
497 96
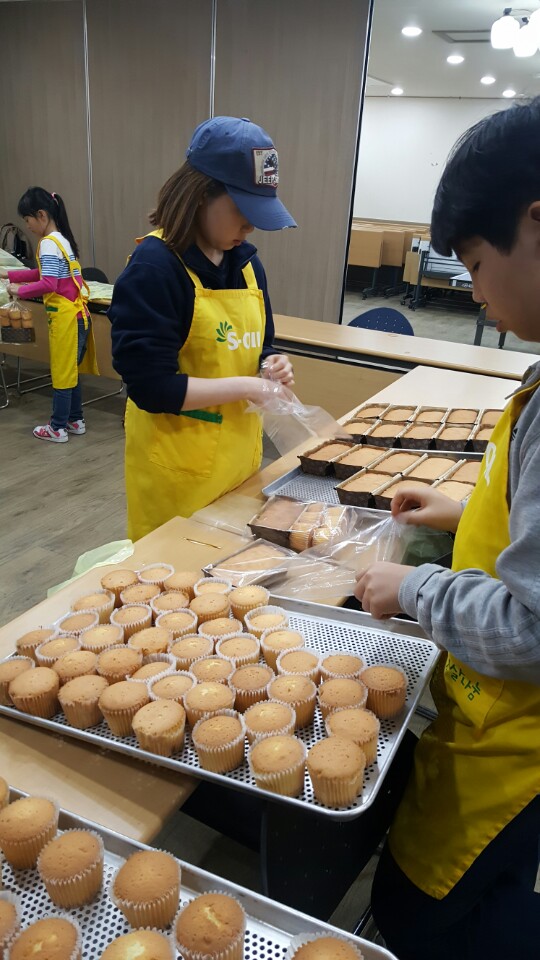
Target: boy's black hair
491 177
36 198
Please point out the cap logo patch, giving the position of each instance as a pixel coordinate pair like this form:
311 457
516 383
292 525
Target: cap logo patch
266 167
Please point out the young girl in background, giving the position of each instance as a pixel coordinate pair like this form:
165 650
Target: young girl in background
59 281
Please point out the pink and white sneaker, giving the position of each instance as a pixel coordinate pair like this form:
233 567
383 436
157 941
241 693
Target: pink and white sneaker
78 427
47 433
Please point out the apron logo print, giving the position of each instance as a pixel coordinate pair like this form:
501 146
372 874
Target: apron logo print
491 452
222 331
249 340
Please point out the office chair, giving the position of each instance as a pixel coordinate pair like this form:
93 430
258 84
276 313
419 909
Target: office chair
93 273
383 318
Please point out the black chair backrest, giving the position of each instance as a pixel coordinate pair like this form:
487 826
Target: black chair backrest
383 318
93 273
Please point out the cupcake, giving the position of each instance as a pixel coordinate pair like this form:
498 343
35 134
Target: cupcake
49 652
10 918
220 627
160 665
150 641
341 665
4 793
179 623
241 649
184 581
210 606
265 618
341 692
142 944
159 727
322 946
299 692
219 741
36 691
27 645
169 602
211 926
190 648
9 669
156 574
79 700
244 599
102 637
356 724
73 624
139 593
172 687
71 867
132 617
277 763
336 769
146 889
212 668
268 719
387 690
212 585
118 580
53 938
306 662
118 663
26 825
249 684
206 699
101 602
274 642
79 663
119 704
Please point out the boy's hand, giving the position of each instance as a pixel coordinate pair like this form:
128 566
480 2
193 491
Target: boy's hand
377 588
278 367
423 506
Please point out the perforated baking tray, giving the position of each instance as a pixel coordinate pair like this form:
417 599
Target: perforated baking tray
398 643
270 926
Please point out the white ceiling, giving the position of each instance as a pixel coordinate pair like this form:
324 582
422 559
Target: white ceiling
419 65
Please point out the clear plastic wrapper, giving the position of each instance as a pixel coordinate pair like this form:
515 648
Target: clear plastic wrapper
288 422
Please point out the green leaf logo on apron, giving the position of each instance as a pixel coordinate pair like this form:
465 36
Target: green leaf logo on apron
222 331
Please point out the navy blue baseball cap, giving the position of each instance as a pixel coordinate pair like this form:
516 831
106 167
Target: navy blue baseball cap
243 158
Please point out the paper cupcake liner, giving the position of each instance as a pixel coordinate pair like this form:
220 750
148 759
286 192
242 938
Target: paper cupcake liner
246 698
241 609
328 708
91 671
183 663
154 914
301 939
23 854
143 578
119 721
224 758
163 744
205 631
337 793
76 633
184 587
138 623
313 674
42 660
241 661
387 704
193 669
98 648
182 604
82 887
76 953
193 714
82 715
15 901
127 601
288 783
159 659
181 673
5 699
167 936
235 950
212 580
270 653
204 617
119 674
43 705
330 675
104 611
29 649
367 744
285 731
262 610
117 590
304 709
179 632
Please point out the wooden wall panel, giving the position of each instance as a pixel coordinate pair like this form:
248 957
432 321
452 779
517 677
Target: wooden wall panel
296 69
43 120
149 68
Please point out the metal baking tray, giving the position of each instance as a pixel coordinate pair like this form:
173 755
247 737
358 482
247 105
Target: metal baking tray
270 925
398 642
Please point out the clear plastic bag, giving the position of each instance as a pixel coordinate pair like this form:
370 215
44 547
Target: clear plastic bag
288 422
16 314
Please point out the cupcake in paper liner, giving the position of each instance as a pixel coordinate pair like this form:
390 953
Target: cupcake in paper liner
242 648
277 763
341 664
118 663
244 599
156 574
59 926
132 618
299 691
336 769
249 684
358 724
100 602
139 593
265 618
222 628
146 889
151 640
210 606
341 692
77 664
271 718
119 704
322 946
79 699
212 585
146 943
36 692
169 602
159 727
184 581
215 668
71 868
26 825
100 638
73 624
180 623
174 686
27 645
118 580
274 642
155 667
4 800
10 668
186 650
206 699
49 652
300 660
387 689
219 741
211 927
10 917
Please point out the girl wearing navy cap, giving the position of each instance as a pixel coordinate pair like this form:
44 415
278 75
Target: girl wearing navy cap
191 323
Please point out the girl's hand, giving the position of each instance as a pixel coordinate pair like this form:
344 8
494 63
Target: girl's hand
13 288
377 588
262 392
423 506
278 367
3 273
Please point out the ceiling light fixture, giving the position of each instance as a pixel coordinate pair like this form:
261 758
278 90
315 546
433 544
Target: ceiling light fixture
455 58
396 91
504 31
411 31
487 80
526 41
509 93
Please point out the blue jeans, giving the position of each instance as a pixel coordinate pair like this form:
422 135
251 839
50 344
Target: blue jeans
67 404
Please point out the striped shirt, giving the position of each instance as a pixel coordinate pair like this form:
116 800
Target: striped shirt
54 276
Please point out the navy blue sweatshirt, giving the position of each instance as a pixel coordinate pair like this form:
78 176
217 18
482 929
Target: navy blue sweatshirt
151 314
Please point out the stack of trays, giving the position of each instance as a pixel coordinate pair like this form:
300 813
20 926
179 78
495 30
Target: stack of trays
422 427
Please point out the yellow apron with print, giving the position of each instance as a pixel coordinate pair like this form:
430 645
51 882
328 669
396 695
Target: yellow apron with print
478 764
62 322
176 464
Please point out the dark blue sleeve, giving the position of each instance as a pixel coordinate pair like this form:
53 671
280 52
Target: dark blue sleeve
260 276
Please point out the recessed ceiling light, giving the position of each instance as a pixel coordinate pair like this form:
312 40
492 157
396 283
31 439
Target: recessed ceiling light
411 31
455 58
396 91
509 93
487 80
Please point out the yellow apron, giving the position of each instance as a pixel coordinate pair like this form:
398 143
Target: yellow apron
478 764
176 464
62 321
